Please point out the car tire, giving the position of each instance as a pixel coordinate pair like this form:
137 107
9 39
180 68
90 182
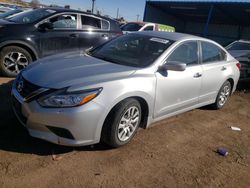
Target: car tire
122 123
13 59
223 95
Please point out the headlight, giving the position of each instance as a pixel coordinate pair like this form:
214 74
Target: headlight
62 99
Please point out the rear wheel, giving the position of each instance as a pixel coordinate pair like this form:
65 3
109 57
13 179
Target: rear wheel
223 95
122 123
13 59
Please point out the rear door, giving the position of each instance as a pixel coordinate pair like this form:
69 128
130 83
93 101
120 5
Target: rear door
215 70
63 37
176 90
94 31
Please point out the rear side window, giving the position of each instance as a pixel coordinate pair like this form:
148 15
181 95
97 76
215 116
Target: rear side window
89 22
105 25
131 27
149 28
212 53
186 53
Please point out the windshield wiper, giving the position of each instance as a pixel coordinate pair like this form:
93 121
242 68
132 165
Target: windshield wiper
105 59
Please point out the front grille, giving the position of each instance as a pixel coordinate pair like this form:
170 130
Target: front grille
25 88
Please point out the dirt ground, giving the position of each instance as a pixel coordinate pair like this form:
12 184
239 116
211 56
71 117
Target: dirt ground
176 152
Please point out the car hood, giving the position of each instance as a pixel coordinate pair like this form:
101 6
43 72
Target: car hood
73 68
239 53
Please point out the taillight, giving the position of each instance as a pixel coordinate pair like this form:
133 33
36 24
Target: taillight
119 34
239 66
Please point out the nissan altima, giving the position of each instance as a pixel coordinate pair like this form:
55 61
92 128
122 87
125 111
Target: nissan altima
107 93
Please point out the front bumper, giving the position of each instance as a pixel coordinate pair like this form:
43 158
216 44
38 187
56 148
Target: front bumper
80 125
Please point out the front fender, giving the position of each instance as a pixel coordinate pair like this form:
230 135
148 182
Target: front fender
117 91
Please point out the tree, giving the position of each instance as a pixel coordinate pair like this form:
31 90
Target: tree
34 3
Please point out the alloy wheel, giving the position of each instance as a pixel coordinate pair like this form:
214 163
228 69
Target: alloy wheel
15 61
224 94
128 123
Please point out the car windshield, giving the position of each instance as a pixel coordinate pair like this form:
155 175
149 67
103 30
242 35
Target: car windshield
132 50
131 27
239 46
9 13
31 16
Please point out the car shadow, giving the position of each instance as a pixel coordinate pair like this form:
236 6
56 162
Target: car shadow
15 138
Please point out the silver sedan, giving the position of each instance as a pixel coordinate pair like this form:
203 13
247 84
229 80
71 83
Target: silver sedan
107 93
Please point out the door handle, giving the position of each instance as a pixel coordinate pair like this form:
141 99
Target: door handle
105 36
223 68
73 35
197 75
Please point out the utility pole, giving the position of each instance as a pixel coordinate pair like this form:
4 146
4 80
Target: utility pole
138 15
93 5
117 13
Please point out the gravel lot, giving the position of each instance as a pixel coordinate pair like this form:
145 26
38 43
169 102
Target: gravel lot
177 152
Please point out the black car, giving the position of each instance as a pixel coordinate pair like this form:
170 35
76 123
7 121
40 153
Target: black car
46 31
241 51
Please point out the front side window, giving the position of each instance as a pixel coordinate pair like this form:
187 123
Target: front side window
186 53
89 22
132 50
212 53
64 21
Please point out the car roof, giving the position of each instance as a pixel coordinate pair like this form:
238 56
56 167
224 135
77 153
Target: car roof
175 36
242 40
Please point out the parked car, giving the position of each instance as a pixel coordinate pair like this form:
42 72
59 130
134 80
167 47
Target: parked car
10 13
130 82
5 9
145 26
43 32
241 51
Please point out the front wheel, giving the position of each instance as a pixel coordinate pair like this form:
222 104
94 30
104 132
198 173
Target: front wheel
223 95
122 123
13 59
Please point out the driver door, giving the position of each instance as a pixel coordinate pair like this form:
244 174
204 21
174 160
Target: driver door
179 90
63 37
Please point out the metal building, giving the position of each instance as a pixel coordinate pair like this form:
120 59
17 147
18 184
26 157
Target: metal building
221 20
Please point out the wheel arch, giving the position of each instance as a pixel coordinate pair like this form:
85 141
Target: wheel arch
144 107
108 118
23 45
232 83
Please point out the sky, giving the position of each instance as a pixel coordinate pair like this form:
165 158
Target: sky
129 9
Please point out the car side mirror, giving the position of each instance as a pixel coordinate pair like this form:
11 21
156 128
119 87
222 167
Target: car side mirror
46 26
173 66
